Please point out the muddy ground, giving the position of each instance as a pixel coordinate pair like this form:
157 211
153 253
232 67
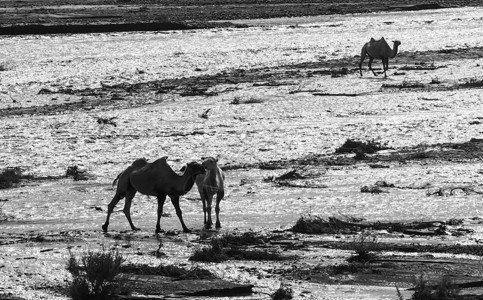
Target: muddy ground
280 116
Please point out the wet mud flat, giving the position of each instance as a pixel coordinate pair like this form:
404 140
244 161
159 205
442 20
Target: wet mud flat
384 176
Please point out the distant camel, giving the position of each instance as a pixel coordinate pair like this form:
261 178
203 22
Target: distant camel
209 184
153 179
378 49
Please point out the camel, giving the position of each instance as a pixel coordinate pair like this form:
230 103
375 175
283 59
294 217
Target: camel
378 49
209 184
153 179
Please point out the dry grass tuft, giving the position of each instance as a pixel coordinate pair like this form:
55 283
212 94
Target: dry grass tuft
284 292
94 275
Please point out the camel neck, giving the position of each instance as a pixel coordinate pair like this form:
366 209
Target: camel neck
212 177
188 179
394 50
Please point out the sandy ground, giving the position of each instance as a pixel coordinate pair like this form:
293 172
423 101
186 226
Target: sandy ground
421 106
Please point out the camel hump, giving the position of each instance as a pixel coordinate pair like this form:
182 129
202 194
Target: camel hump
139 163
163 161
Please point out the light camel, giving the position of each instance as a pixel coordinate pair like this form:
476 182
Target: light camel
153 179
378 49
209 184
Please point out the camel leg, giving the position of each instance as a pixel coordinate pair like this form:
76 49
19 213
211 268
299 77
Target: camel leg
363 57
203 199
175 201
127 207
118 196
209 201
161 199
219 196
370 65
385 65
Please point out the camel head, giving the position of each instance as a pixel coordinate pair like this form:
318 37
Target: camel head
396 43
209 163
195 169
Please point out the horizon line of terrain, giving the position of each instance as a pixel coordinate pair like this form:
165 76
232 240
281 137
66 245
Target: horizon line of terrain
129 18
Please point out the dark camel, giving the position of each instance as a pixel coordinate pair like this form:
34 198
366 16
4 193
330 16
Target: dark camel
378 49
209 184
153 179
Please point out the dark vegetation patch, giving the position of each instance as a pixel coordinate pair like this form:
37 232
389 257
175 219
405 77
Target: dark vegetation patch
421 66
237 247
284 292
238 100
299 176
76 173
365 246
353 146
452 152
472 83
11 177
441 289
453 190
178 273
311 224
94 275
415 248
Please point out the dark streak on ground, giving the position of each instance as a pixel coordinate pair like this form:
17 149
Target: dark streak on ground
128 95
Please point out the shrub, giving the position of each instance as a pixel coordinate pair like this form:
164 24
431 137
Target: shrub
443 290
76 173
247 238
93 275
284 292
11 176
213 253
364 245
311 224
352 146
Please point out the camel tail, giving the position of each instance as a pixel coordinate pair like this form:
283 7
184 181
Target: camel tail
117 178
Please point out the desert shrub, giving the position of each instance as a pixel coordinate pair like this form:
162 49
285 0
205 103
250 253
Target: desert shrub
212 253
246 238
444 289
312 224
284 292
473 82
93 275
364 245
9 177
360 148
76 173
